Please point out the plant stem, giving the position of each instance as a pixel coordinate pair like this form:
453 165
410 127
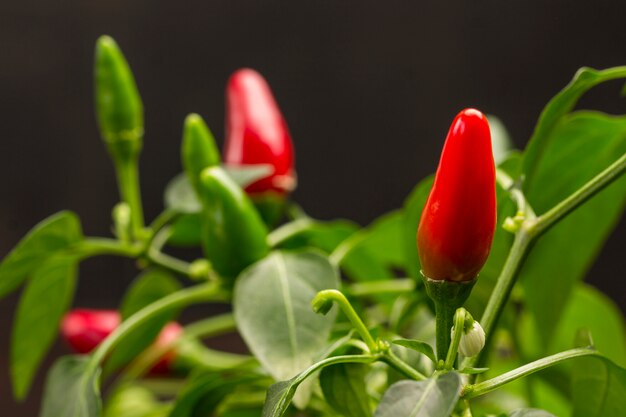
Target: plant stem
459 324
289 230
93 246
527 233
212 326
198 293
338 297
471 391
591 188
128 183
502 290
345 247
163 219
387 286
444 319
399 365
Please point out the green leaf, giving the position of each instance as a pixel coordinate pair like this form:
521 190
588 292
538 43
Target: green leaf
72 389
501 142
134 401
186 230
421 347
272 307
245 175
54 234
46 298
530 412
280 394
434 397
149 287
581 145
598 387
344 388
383 239
180 195
413 207
557 109
360 264
590 309
204 393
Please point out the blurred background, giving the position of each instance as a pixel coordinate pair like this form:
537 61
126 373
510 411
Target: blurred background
368 90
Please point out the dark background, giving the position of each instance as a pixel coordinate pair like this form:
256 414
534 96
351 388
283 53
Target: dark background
368 89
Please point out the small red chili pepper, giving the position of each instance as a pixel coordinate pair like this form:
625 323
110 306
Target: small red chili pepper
458 222
256 132
85 329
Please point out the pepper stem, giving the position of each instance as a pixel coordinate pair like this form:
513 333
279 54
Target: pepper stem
447 296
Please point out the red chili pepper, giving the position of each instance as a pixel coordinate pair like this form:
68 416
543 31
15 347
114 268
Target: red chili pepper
459 219
256 132
85 329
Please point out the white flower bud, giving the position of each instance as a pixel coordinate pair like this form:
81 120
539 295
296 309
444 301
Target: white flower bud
472 340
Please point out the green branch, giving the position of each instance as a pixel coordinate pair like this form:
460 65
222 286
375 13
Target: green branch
471 391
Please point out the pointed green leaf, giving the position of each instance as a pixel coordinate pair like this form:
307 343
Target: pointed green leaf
180 195
52 235
421 347
134 401
580 146
72 389
204 393
46 298
413 206
434 397
598 388
383 239
554 112
344 389
280 394
186 230
245 175
272 307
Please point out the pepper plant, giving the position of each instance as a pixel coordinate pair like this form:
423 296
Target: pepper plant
484 314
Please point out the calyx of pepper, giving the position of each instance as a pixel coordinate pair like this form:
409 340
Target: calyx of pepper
447 297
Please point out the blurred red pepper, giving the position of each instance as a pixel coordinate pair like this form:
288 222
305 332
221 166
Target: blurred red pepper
256 132
85 329
459 219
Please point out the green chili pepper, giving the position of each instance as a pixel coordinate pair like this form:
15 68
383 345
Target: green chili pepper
235 235
118 105
198 150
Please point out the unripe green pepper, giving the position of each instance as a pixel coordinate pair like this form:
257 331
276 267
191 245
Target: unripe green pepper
198 149
119 109
235 235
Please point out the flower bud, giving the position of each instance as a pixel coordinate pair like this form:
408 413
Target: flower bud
472 340
459 219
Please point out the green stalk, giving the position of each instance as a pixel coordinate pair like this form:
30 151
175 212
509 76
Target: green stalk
127 172
591 188
471 391
198 293
323 302
529 230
